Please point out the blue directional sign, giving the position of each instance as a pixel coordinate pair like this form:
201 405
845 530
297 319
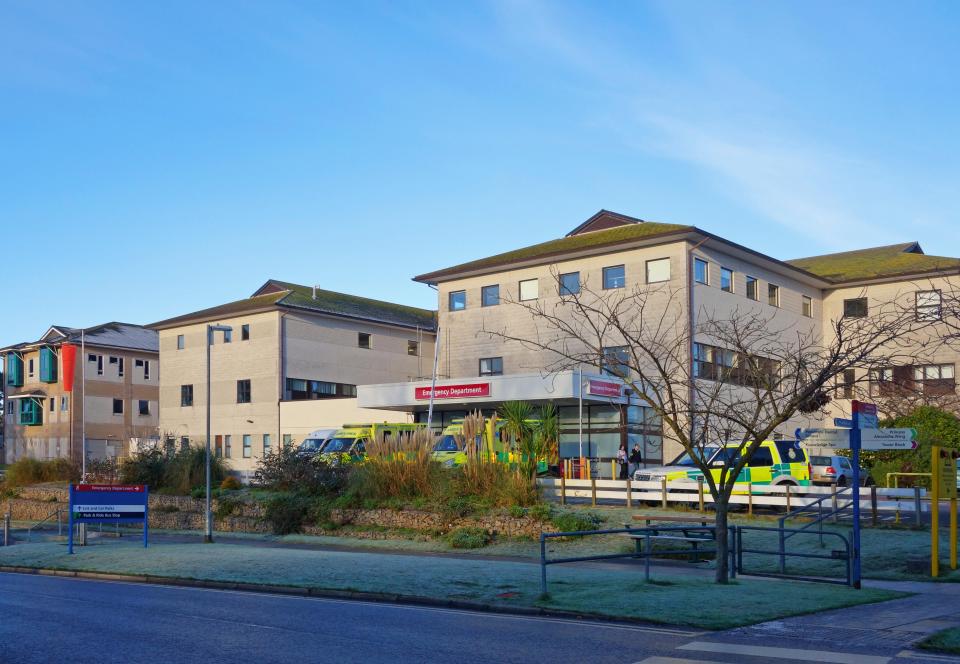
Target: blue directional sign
116 503
842 422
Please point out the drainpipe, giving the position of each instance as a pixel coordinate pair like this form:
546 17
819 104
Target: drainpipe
280 370
433 380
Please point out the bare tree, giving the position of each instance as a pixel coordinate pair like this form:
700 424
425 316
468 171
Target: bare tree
729 377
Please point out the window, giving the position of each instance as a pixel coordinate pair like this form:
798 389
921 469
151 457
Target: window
491 366
727 366
658 270
243 391
266 444
413 348
287 440
529 289
48 365
184 443
363 339
53 404
227 336
138 363
490 296
146 369
807 306
246 446
30 368
753 289
143 406
614 361
457 301
928 305
762 456
180 342
855 308
186 395
226 446
118 406
64 404
614 276
726 280
701 271
569 284
245 332
99 365
299 389
935 379
847 382
120 363
773 295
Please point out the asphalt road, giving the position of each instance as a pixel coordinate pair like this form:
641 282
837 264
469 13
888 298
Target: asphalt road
48 619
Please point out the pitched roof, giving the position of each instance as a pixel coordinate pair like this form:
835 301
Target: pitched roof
895 260
581 238
276 294
111 335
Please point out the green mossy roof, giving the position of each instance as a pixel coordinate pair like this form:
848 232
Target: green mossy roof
327 302
875 263
611 236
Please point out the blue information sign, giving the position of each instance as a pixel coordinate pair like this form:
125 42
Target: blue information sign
117 503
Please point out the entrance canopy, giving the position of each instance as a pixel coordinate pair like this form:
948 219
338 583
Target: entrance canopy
466 393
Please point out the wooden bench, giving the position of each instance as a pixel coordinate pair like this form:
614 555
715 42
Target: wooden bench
694 537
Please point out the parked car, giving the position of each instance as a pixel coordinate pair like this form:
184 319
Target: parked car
775 462
836 470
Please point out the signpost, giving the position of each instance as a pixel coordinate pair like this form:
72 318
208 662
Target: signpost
943 484
90 503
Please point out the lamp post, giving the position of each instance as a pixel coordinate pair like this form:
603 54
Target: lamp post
208 536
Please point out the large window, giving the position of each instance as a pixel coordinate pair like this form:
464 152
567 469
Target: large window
143 406
658 270
727 366
118 406
935 379
243 391
48 365
529 289
807 306
753 289
186 395
855 308
491 366
615 361
614 276
490 296
14 370
701 271
726 280
929 305
570 283
299 389
457 301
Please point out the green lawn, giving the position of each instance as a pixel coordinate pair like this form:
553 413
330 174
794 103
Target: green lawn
611 591
945 641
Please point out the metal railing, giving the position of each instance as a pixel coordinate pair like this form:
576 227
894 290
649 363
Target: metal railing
846 555
645 535
55 513
896 475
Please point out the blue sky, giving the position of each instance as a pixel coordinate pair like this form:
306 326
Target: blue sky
160 158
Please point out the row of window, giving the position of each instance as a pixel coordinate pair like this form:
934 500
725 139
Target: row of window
928 306
727 366
363 340
701 275
300 389
223 445
569 283
227 336
119 363
29 407
143 407
927 379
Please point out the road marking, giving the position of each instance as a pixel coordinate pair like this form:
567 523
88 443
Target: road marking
407 607
785 653
676 660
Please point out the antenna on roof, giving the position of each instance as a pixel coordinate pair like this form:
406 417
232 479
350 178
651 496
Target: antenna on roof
314 296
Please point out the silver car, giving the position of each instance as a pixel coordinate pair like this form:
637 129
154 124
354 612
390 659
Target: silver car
835 470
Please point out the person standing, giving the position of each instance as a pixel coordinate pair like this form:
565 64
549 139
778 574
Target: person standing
635 458
622 462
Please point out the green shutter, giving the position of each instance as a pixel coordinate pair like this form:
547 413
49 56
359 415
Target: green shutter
48 365
14 370
31 412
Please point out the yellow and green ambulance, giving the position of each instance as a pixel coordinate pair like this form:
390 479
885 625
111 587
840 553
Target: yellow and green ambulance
349 443
451 448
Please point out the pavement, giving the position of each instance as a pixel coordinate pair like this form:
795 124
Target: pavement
47 619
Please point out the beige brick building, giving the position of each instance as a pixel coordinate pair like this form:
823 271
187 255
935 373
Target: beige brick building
110 393
290 364
691 274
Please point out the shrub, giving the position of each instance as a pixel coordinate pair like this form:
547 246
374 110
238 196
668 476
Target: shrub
540 512
401 467
179 472
230 483
517 512
287 512
287 470
571 521
460 506
27 471
469 538
227 506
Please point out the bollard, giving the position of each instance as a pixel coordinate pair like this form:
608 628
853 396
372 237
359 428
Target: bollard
788 498
563 489
916 506
700 491
750 498
593 491
629 495
873 505
613 469
663 492
6 529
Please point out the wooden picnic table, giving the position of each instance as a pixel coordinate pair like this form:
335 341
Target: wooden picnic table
702 520
681 535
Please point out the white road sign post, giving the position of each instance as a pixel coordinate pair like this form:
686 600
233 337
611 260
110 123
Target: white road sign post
888 439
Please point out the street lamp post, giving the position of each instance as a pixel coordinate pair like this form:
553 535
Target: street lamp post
208 536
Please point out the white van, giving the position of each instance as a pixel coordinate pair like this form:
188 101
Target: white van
313 444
